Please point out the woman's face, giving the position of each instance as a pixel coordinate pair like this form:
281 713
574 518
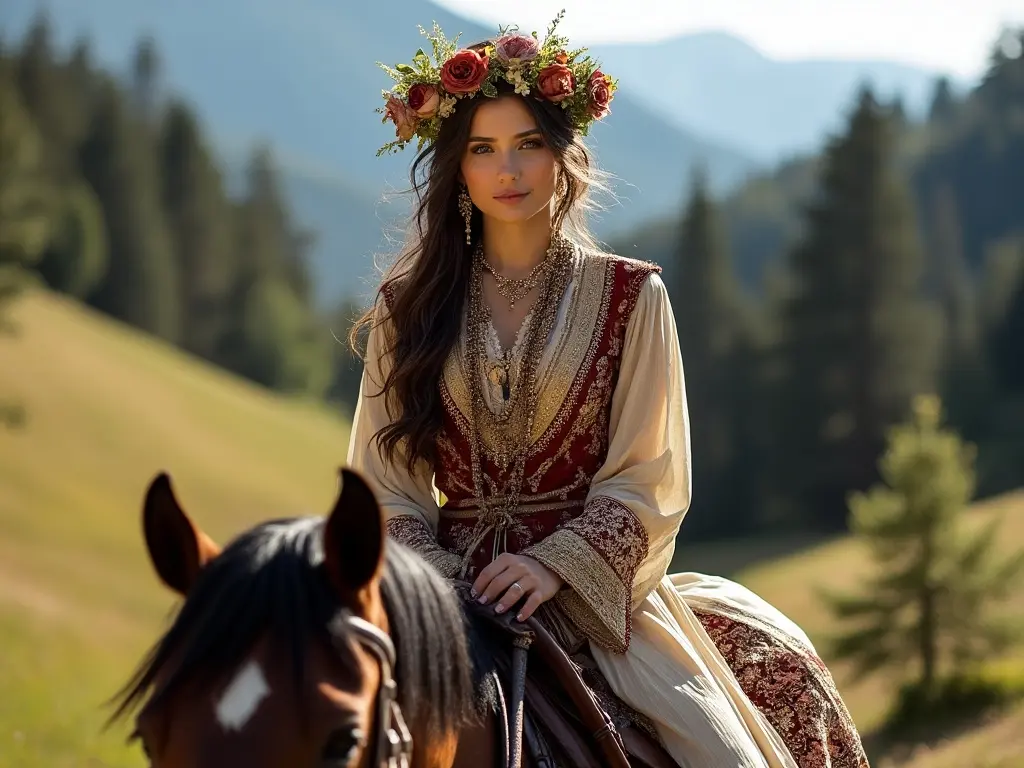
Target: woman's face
507 167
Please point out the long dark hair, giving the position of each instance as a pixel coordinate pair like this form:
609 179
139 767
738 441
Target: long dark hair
421 325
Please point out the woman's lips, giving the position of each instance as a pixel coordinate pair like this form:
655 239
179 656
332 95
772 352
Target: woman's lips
510 197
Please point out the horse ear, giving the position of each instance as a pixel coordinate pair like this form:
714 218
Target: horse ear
178 549
354 536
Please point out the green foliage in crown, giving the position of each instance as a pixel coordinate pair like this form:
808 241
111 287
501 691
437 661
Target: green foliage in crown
427 91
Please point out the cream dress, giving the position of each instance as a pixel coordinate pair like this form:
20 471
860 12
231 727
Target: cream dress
662 662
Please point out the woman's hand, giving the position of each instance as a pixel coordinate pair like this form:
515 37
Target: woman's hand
511 577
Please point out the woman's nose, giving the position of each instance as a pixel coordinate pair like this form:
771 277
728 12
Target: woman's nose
509 170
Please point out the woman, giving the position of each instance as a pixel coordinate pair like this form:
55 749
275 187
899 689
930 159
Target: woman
538 384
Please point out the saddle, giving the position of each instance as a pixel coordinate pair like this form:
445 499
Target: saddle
550 716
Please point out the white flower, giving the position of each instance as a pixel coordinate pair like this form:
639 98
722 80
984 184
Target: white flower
447 106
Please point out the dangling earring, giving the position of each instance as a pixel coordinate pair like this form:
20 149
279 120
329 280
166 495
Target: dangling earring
466 209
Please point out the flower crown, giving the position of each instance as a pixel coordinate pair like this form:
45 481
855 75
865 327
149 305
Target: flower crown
427 92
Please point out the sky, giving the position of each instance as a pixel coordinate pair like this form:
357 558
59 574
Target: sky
953 36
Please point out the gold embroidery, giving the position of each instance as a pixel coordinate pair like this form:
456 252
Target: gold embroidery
414 533
791 687
611 528
516 424
573 348
597 554
598 602
571 351
458 475
603 547
598 283
533 505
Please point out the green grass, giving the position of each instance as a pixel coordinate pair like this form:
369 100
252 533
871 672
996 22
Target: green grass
108 408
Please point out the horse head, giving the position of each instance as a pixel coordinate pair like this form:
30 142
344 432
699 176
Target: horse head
281 652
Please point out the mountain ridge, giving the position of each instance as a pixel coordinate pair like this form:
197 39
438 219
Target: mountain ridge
304 81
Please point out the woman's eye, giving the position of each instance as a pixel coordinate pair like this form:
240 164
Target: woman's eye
479 149
533 144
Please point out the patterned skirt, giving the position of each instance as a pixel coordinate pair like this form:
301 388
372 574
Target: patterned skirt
793 689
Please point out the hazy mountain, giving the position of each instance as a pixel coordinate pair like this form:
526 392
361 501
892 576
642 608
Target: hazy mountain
303 75
718 85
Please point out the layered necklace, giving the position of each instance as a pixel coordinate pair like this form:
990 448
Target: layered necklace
514 289
514 428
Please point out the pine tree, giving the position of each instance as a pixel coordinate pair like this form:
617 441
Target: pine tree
926 605
75 260
272 336
145 86
857 339
141 283
58 97
943 103
25 210
1007 343
964 375
271 242
199 219
1001 443
50 97
953 281
704 297
26 197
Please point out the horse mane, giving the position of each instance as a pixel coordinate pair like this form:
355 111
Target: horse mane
271 579
438 681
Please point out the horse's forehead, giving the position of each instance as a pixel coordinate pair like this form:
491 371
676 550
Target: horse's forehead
242 697
249 716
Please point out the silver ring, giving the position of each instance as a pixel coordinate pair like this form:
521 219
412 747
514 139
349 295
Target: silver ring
516 585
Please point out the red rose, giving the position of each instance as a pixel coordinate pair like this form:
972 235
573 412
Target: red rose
556 82
599 94
464 72
424 100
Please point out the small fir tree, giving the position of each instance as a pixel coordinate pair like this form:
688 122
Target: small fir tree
927 604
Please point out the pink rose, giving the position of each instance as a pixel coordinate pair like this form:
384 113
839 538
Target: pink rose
405 118
424 100
556 82
599 94
464 72
520 47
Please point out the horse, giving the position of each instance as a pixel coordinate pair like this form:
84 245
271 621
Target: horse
318 642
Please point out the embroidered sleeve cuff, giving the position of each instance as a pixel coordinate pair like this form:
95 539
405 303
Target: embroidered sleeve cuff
597 555
414 533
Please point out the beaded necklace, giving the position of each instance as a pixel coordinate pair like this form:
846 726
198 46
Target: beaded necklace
515 425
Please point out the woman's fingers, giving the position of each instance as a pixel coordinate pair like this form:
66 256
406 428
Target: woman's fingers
515 592
500 585
510 578
535 601
483 580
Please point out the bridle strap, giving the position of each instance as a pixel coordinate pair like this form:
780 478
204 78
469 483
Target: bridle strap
393 747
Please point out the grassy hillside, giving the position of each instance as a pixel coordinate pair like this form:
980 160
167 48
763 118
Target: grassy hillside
78 601
107 409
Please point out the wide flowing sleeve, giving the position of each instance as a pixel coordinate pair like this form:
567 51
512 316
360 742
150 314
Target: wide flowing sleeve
409 501
617 550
